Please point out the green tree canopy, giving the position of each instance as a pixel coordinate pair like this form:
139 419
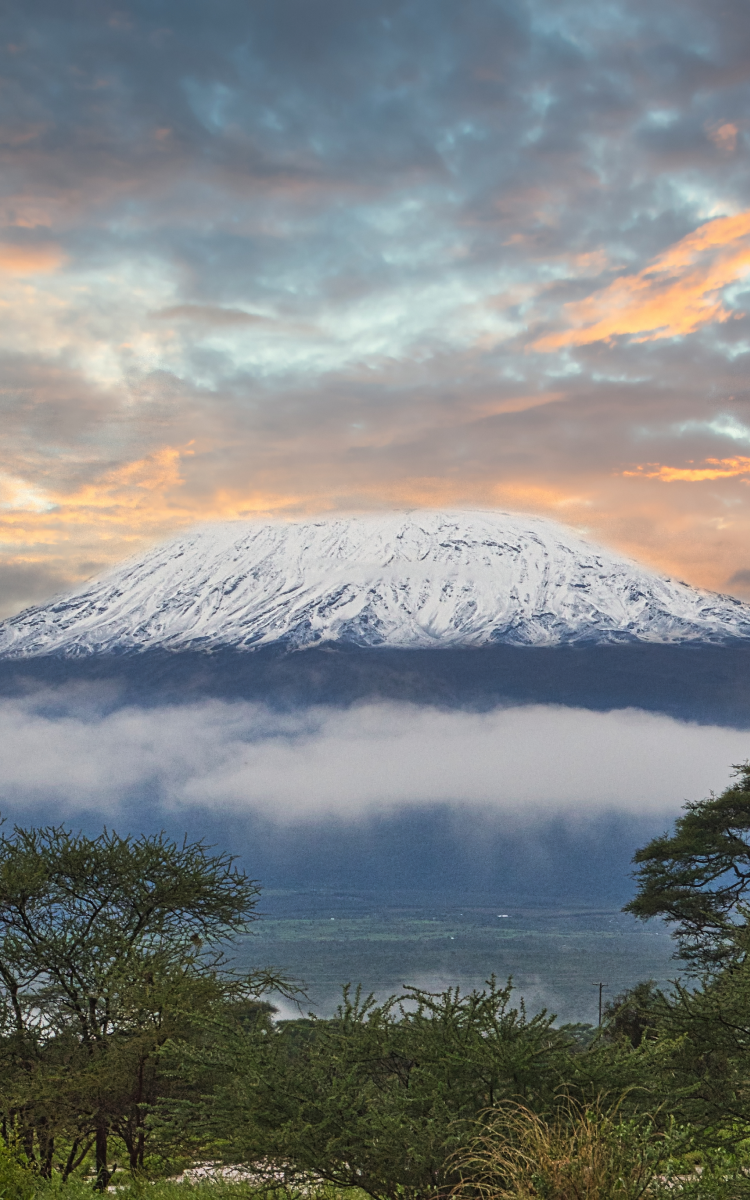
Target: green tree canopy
634 1013
698 877
102 942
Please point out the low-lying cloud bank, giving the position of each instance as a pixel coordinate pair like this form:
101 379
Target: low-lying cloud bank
65 753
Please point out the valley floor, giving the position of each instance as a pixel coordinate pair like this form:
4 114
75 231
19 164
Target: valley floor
557 955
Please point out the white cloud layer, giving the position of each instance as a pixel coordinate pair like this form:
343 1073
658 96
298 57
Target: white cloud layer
62 754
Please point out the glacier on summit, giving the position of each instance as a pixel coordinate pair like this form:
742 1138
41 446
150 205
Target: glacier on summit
418 579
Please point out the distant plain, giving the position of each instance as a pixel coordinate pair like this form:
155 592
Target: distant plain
556 954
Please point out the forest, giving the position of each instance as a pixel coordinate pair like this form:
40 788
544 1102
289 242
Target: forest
136 1058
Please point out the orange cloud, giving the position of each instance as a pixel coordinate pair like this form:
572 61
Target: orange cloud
537 497
133 501
151 498
724 136
128 505
718 468
514 404
674 295
30 260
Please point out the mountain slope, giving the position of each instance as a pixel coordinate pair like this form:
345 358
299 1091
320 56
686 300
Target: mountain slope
419 579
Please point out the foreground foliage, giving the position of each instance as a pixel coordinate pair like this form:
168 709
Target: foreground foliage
378 1097
124 1035
105 945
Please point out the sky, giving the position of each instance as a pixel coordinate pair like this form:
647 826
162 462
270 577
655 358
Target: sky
302 256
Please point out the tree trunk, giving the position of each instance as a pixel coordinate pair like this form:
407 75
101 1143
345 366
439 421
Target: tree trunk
27 1141
75 1157
69 1162
126 1133
102 1173
46 1152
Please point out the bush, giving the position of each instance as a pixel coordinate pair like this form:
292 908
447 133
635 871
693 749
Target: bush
376 1098
18 1181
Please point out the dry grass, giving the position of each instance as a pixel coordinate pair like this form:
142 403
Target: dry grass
582 1154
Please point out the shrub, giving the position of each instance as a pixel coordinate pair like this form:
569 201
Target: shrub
18 1181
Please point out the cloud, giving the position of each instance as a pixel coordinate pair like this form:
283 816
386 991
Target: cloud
724 136
21 495
21 260
70 751
131 486
675 294
208 314
716 468
133 498
23 583
316 247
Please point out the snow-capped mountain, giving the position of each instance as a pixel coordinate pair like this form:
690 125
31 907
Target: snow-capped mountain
415 579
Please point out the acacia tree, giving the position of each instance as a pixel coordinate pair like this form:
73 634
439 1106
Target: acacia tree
697 878
103 942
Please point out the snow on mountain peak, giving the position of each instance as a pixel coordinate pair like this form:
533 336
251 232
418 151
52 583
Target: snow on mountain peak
399 579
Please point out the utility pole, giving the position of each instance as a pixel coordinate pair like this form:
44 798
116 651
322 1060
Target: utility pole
601 987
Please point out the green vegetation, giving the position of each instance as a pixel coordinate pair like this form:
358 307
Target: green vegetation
696 878
108 948
127 1038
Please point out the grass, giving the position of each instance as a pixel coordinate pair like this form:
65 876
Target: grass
585 1153
125 1187
582 1154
